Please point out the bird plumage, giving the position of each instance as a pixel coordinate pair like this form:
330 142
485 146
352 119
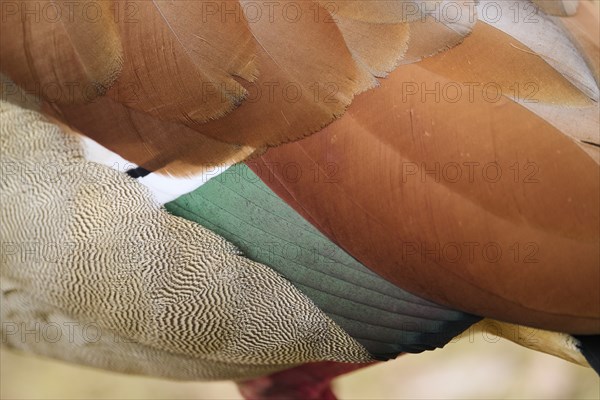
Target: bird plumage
482 135
167 296
385 319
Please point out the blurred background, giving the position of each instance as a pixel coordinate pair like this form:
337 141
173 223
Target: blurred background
470 368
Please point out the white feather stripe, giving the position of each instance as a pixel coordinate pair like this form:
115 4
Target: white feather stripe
164 187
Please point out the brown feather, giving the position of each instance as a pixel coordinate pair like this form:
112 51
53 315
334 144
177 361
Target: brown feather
561 8
300 89
439 30
380 47
521 73
375 208
62 59
153 143
291 71
380 11
524 76
215 36
584 28
95 40
163 72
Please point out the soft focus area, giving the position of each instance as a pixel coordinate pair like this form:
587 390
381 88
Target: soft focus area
471 368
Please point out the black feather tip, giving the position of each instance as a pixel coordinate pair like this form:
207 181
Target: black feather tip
590 348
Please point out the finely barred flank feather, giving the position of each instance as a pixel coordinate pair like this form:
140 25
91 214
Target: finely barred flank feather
85 248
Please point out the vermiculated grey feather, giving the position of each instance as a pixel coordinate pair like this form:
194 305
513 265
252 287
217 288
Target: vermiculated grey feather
86 249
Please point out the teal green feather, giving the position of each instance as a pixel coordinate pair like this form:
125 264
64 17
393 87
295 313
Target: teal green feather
384 318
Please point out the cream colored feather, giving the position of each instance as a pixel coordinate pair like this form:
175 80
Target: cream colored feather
103 276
